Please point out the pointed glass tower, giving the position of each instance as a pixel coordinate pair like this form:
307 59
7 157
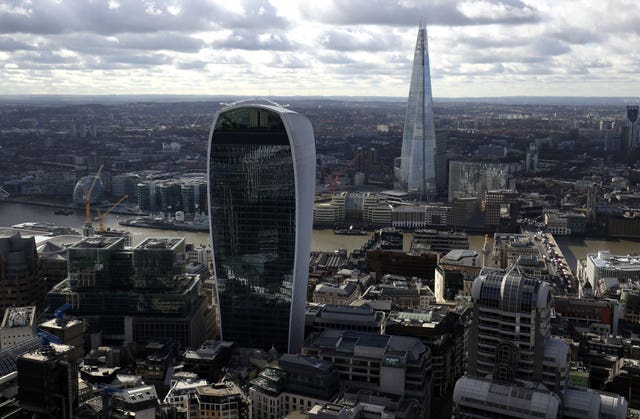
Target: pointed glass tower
418 167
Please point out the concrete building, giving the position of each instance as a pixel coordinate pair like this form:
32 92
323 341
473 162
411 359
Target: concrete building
438 241
515 368
419 216
585 312
293 383
605 265
395 365
362 318
69 331
18 325
222 400
181 397
455 274
443 332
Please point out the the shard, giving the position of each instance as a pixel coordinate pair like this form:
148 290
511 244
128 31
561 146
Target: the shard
418 167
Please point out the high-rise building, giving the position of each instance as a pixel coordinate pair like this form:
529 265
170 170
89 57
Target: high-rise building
418 164
514 367
134 294
261 186
21 280
48 381
632 127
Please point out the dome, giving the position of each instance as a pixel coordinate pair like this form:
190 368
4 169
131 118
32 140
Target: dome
84 184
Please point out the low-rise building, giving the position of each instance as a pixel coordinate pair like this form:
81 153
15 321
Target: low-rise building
293 383
395 365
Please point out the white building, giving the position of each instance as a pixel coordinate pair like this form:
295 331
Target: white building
515 368
18 325
605 265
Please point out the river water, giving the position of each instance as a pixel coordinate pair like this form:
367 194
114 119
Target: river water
322 240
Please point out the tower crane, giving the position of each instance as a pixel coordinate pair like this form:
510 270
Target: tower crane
102 215
334 184
88 228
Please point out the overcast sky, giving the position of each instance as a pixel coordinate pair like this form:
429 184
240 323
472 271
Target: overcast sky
319 47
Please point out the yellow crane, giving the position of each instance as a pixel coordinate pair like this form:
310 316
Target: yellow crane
87 203
102 215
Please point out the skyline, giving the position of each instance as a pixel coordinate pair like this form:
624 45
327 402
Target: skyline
276 48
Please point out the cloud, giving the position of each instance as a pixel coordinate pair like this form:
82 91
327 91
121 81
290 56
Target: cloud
574 35
108 18
408 13
191 65
357 40
253 42
12 44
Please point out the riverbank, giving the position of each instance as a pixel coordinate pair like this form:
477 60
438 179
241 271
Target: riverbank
74 207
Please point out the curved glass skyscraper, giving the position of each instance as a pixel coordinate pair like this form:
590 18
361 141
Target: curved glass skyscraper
261 186
417 166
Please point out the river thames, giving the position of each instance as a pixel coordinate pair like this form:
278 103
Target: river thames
322 240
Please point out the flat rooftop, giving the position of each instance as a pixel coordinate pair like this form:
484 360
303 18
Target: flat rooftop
160 243
19 316
97 243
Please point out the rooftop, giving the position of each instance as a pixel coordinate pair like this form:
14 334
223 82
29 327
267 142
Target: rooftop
605 260
160 243
96 243
19 316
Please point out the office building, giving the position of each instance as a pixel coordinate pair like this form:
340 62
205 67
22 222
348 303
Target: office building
222 400
501 209
395 365
261 186
443 332
292 383
48 381
438 241
134 294
418 164
21 279
632 127
360 318
514 367
472 179
606 265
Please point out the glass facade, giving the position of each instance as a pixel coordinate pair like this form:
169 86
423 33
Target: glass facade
108 282
418 164
252 187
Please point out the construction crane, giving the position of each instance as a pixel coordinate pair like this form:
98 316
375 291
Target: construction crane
334 184
101 216
88 228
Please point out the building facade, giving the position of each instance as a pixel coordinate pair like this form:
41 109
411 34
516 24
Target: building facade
418 164
261 184
515 368
21 279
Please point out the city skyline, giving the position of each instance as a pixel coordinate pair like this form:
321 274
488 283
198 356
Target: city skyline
275 48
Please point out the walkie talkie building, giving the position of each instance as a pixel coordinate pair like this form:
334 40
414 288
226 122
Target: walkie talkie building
261 186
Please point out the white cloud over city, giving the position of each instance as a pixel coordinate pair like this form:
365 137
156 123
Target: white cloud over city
326 47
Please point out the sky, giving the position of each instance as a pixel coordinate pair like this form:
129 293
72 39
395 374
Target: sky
477 48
